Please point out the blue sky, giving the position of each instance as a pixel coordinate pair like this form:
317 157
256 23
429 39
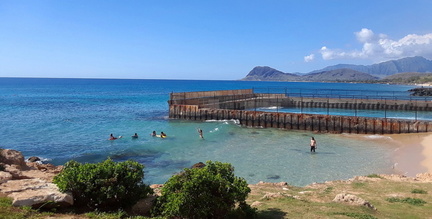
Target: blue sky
215 40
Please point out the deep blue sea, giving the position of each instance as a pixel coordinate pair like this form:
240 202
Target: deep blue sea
64 119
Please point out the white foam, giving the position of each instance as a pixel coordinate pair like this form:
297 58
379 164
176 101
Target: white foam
270 108
377 137
225 121
214 130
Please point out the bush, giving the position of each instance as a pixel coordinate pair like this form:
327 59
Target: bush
411 201
374 175
355 215
208 192
104 186
418 191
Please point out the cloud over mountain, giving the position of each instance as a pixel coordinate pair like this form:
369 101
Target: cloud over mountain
379 47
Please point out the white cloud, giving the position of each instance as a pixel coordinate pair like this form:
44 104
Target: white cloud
364 35
309 58
379 47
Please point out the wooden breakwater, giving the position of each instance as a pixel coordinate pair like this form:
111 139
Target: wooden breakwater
231 105
310 122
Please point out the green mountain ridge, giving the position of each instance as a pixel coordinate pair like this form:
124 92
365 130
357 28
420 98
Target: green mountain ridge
348 73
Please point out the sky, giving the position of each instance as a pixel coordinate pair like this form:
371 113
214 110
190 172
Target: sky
205 40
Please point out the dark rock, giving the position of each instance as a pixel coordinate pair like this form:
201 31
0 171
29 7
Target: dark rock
273 176
421 91
33 159
198 165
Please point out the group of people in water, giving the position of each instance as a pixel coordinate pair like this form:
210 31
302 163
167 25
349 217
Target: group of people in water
162 135
154 134
313 143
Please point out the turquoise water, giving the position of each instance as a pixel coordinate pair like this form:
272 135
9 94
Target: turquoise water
64 119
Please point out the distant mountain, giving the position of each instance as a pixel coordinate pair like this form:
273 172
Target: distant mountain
409 78
345 72
410 64
265 73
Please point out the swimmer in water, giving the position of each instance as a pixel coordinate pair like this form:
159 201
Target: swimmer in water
112 137
163 135
135 136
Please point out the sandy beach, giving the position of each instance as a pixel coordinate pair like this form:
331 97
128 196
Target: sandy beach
413 154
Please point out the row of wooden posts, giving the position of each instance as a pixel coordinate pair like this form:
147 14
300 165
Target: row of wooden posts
311 122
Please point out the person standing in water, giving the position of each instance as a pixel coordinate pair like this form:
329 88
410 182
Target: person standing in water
313 144
200 132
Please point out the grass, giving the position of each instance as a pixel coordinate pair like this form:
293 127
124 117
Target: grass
318 202
355 215
411 201
393 199
358 185
328 189
418 191
374 175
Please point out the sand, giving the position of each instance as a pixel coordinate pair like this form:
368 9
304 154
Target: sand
413 154
427 152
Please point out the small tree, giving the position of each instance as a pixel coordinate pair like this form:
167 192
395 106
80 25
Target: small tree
208 192
104 186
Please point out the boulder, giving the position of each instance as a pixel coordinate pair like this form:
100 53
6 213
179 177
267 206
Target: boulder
12 157
353 200
270 195
143 206
42 171
14 170
5 176
35 193
33 159
424 177
198 165
157 189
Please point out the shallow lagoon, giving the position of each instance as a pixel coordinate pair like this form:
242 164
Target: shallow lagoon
64 119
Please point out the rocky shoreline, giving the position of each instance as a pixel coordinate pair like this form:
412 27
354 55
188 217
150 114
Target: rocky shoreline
30 184
421 91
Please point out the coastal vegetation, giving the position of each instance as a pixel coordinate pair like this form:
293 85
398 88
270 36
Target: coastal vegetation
392 196
107 190
103 186
211 191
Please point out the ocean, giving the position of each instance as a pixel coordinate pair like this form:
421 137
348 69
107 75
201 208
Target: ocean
71 119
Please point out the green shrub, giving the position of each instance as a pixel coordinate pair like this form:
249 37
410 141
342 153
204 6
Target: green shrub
355 215
104 186
103 215
411 201
393 199
208 192
418 191
328 189
374 175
